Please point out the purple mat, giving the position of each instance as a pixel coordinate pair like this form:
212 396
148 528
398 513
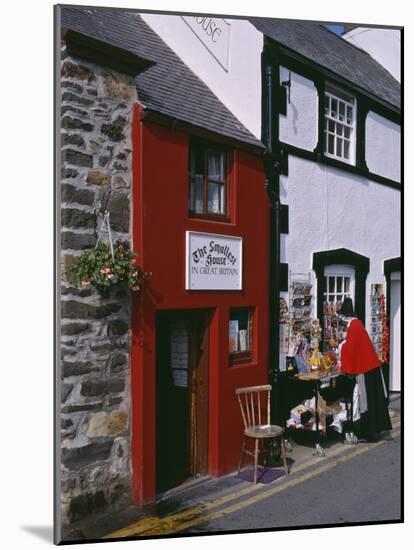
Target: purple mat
264 475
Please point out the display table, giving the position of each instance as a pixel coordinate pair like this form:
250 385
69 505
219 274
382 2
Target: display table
323 378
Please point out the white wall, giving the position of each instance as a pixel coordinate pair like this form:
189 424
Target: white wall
384 45
330 209
299 127
239 87
383 146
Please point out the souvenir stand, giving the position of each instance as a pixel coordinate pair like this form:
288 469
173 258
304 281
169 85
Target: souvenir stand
309 371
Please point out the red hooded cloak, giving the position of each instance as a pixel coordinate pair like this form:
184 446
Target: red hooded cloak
358 354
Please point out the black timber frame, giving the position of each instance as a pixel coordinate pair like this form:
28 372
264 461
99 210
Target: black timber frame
342 256
282 56
390 266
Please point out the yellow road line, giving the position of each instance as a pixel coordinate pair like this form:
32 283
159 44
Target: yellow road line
147 525
170 528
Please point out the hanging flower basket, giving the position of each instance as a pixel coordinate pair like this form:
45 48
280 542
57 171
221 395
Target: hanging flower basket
102 269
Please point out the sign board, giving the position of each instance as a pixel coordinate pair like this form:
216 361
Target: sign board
214 33
213 262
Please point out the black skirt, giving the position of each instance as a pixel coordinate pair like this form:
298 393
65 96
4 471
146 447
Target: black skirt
376 419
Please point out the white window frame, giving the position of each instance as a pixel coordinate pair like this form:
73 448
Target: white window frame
336 270
339 122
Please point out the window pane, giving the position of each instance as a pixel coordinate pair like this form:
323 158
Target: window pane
346 284
339 147
334 107
331 143
325 284
339 129
331 297
215 165
196 195
346 149
331 284
341 111
215 198
339 298
347 132
349 114
239 330
331 126
339 284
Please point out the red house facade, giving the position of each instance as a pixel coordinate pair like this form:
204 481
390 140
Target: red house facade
185 417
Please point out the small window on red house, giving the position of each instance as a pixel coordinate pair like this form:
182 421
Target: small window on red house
240 335
208 181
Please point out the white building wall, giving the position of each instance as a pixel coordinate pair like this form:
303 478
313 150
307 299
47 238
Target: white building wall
330 209
239 85
299 127
384 45
383 146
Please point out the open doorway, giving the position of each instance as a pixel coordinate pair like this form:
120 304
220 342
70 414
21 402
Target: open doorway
182 397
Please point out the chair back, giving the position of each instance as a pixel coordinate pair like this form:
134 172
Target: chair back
254 404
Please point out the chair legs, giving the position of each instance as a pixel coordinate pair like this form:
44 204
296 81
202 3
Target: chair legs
242 452
283 453
256 457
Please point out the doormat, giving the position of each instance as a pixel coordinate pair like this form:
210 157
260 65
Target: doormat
264 475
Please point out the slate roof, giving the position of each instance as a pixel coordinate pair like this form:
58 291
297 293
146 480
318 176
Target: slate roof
169 87
325 48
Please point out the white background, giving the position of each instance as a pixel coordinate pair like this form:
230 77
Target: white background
26 88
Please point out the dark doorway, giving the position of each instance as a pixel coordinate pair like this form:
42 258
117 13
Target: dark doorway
182 397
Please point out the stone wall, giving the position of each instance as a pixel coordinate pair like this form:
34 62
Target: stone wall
96 117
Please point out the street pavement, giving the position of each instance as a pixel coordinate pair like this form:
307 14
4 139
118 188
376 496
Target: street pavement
351 484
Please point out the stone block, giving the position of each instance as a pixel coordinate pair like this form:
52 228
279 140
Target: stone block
115 130
119 207
65 423
97 386
66 264
77 241
117 86
81 292
74 328
118 362
72 309
72 70
102 346
81 407
98 425
75 110
118 182
65 391
72 86
69 173
74 98
79 219
75 458
77 158
120 167
76 368
95 177
117 422
117 327
70 193
72 139
70 123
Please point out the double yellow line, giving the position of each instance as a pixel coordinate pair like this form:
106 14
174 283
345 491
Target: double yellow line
186 519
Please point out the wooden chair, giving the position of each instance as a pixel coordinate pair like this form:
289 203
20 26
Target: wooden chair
254 404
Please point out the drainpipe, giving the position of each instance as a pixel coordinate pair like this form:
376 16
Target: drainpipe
270 138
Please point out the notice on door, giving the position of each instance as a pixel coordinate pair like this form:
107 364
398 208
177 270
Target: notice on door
213 262
179 353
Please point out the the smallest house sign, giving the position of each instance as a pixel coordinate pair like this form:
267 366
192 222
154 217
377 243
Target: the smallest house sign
213 262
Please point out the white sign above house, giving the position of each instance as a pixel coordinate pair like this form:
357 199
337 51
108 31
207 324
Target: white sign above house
213 262
214 33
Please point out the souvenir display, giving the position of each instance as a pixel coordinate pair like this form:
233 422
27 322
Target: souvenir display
378 322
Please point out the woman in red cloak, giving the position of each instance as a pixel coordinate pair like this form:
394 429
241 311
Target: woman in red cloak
358 357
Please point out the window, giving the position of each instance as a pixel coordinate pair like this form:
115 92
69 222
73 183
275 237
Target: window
339 283
340 110
240 335
208 181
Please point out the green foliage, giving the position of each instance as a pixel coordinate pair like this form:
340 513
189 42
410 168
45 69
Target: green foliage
96 268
